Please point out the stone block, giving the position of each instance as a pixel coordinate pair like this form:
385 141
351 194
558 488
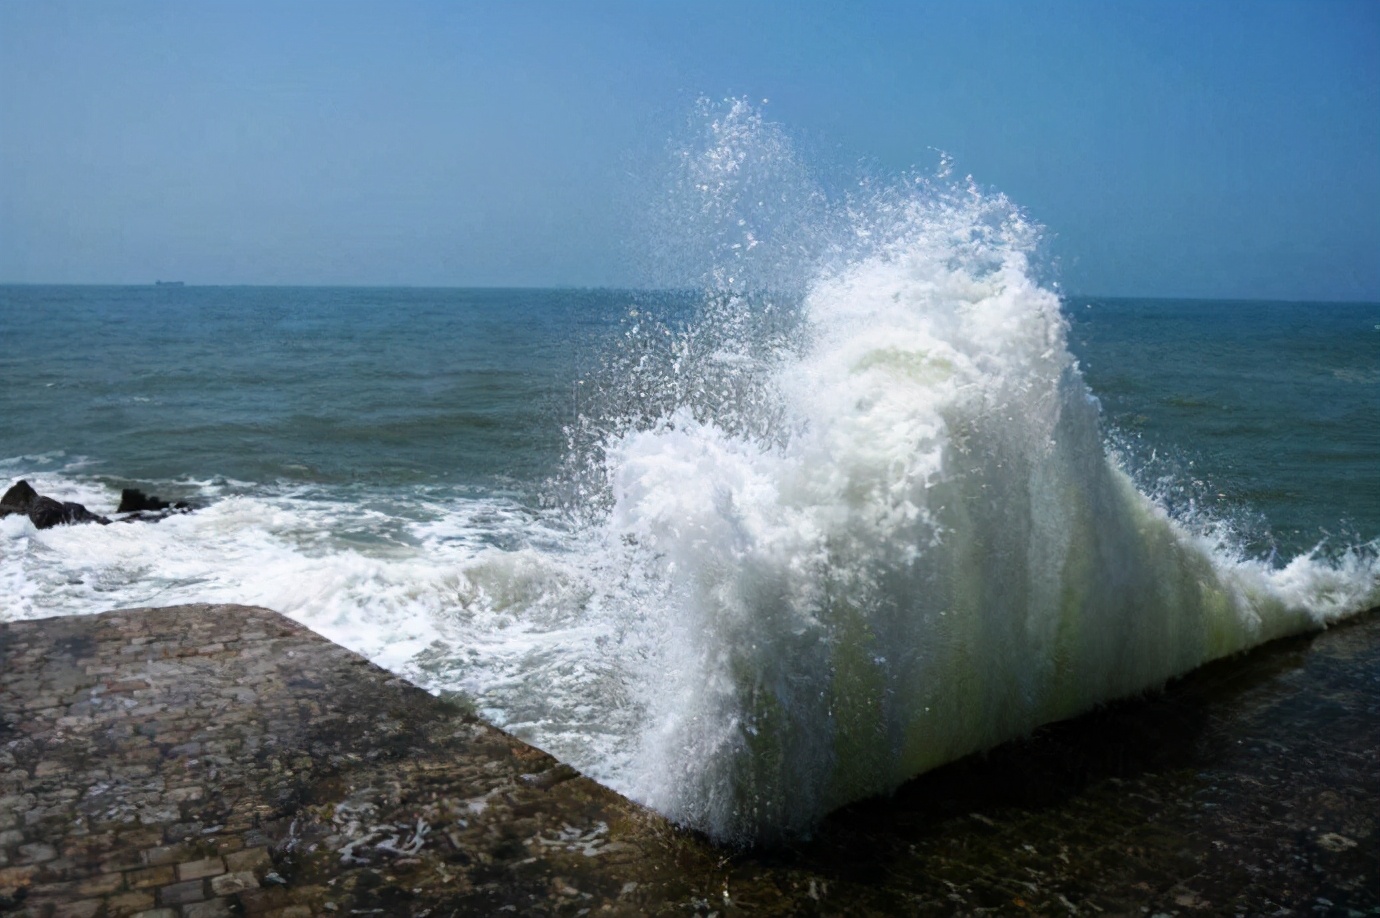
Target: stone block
85 908
227 843
230 883
150 876
212 908
195 870
181 831
100 885
165 854
249 859
59 893
158 813
182 893
121 859
128 903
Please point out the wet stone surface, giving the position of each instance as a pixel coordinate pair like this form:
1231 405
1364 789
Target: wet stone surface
222 760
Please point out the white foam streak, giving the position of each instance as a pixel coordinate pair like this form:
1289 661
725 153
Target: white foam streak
388 601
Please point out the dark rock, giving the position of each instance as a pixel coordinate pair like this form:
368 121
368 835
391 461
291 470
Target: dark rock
18 499
132 499
45 513
145 508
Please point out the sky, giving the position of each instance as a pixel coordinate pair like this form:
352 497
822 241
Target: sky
1205 149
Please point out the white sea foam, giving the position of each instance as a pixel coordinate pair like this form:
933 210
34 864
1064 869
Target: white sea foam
941 558
459 593
928 552
331 564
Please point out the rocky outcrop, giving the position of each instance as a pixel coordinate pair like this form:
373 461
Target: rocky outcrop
18 498
146 507
44 512
132 500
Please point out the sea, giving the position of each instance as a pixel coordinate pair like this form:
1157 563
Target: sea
746 549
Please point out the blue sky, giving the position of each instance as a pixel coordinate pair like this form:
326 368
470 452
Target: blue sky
1215 149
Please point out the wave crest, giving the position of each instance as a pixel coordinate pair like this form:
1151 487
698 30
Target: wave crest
934 553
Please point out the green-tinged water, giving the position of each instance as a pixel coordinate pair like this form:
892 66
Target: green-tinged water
1248 788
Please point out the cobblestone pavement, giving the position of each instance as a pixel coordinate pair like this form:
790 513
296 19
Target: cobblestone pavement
214 760
221 760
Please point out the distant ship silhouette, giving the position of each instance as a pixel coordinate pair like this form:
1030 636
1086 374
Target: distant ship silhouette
167 283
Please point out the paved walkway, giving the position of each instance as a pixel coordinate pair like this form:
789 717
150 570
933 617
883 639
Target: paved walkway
221 760
215 760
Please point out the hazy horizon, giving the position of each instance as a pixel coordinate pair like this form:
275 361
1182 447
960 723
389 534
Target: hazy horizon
1171 150
1064 294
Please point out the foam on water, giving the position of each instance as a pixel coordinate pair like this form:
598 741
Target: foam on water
931 552
855 520
359 576
458 591
941 557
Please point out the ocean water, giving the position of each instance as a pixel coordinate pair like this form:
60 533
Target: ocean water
864 497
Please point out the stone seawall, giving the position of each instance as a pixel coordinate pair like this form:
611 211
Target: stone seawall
208 761
215 760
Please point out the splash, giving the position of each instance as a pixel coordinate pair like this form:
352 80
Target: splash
908 542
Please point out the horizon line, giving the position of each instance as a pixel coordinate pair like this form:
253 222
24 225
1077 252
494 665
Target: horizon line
1063 295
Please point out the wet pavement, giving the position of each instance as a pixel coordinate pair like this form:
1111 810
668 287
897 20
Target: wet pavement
221 760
